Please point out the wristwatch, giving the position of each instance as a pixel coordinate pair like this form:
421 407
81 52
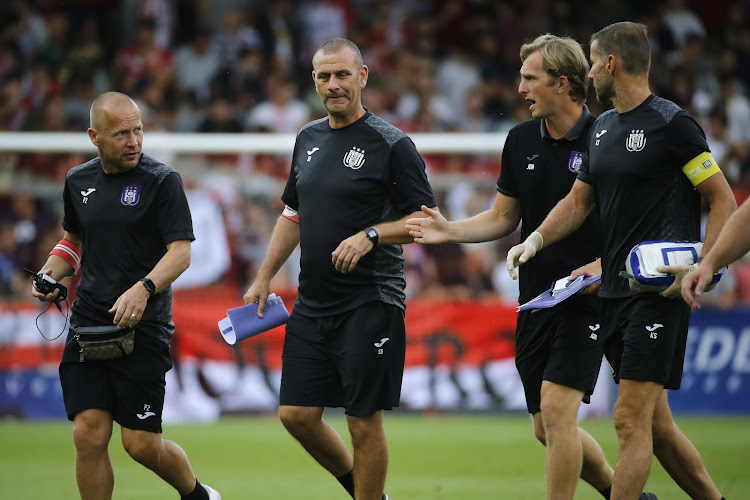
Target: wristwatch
149 286
372 235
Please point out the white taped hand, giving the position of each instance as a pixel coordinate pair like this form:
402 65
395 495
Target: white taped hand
523 252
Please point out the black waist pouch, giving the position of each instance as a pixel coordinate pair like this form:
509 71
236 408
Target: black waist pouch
103 342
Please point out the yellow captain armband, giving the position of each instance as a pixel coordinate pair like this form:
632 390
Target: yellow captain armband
701 168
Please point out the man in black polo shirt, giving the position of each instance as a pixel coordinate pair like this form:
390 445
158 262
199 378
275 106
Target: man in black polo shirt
128 229
645 161
354 181
558 350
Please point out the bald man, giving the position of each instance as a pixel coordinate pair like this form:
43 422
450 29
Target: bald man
128 232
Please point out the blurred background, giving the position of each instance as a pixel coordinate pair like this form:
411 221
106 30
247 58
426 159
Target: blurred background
240 71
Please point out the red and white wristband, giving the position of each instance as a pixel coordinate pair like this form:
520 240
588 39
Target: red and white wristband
291 214
69 252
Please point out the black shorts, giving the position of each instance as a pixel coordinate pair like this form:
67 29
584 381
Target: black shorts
646 336
562 345
353 360
130 388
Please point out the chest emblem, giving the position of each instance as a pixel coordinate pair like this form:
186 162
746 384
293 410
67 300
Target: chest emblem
575 161
310 153
131 195
636 141
355 158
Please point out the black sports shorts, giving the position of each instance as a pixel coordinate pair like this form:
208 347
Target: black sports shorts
130 388
562 344
353 360
646 336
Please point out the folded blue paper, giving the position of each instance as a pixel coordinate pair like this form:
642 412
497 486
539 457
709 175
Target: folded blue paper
560 290
243 322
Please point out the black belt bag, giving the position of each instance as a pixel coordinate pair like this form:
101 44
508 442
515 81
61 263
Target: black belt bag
103 342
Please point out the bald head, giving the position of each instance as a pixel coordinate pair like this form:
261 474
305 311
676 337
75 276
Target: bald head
109 103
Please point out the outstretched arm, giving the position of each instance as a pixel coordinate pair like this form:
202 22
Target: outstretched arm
501 220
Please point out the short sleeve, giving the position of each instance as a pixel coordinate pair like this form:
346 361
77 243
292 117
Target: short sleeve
289 196
584 174
173 217
506 183
408 182
70 221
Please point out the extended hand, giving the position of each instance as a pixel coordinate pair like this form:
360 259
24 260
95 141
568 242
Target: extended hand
693 283
523 252
431 230
675 289
590 269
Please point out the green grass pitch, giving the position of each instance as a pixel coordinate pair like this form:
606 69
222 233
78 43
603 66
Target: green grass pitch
432 458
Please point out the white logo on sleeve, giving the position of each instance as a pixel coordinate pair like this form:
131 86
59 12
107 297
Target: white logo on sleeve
309 153
652 329
146 413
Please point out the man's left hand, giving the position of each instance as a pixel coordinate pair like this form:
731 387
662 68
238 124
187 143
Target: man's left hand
675 289
347 254
129 306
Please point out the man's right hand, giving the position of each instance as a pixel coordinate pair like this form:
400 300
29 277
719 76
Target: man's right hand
49 297
258 292
523 252
431 230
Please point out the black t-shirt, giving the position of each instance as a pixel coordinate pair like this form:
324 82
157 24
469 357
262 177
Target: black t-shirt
125 222
341 182
634 163
540 171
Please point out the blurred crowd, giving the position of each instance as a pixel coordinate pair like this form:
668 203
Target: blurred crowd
231 66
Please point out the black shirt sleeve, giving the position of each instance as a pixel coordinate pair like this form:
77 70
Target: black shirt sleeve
289 196
506 183
687 139
173 214
70 219
408 183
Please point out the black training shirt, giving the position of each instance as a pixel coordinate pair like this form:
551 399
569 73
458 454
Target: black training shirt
125 222
341 182
540 171
634 163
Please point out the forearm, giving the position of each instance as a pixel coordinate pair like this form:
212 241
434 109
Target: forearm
486 226
284 240
395 233
733 241
718 217
61 265
171 265
566 216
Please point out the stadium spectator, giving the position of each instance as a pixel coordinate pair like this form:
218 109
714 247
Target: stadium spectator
196 64
668 180
558 365
133 230
356 177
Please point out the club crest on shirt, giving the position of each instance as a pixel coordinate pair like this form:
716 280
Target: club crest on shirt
636 141
131 195
575 161
355 158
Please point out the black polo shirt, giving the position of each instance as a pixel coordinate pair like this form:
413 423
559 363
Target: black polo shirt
634 163
125 222
540 171
341 182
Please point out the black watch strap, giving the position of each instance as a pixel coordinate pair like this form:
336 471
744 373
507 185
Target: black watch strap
372 235
149 286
